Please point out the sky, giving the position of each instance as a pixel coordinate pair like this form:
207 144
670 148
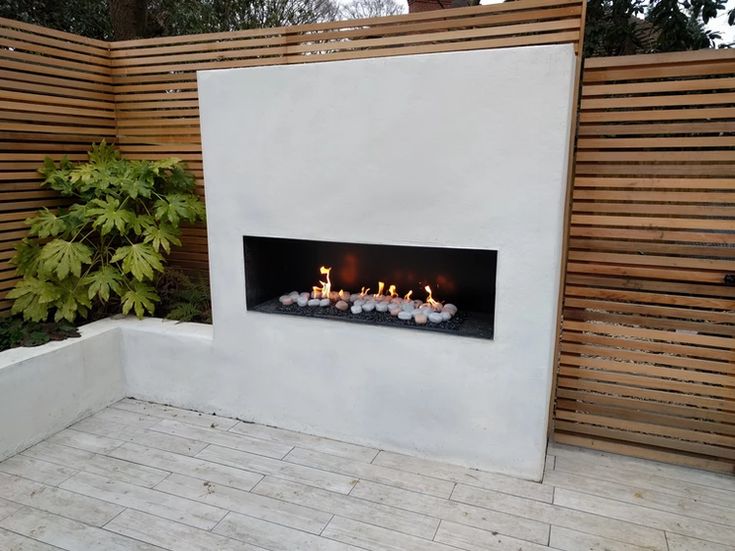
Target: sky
720 24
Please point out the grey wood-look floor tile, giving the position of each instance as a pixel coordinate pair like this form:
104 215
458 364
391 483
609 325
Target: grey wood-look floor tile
254 505
125 417
7 508
375 538
367 471
97 443
549 463
171 535
572 540
103 465
275 450
645 467
661 520
654 499
10 541
473 477
326 445
649 481
349 507
678 542
144 437
147 500
475 539
168 412
267 466
583 521
275 537
40 471
56 500
495 521
189 466
69 534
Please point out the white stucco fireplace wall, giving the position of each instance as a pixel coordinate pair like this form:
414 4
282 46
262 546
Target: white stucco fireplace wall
461 149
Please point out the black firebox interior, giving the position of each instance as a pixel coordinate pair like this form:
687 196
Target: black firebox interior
464 277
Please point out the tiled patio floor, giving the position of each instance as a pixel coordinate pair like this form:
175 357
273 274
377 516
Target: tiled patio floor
145 476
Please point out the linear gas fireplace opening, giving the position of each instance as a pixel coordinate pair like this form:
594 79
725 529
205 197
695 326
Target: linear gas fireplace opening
425 288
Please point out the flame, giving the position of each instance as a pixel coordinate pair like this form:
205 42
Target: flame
392 291
408 295
430 300
326 286
381 285
364 292
342 294
316 292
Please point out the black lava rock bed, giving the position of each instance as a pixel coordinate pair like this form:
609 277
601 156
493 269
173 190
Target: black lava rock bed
465 324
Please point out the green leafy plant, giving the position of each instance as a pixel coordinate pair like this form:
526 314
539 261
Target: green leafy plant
106 248
184 297
15 331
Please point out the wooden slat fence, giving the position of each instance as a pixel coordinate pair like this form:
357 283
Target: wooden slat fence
56 97
647 352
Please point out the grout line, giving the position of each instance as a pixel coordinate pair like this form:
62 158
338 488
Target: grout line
327 524
262 478
117 515
438 524
666 539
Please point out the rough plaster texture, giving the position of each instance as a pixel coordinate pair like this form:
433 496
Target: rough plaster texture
460 149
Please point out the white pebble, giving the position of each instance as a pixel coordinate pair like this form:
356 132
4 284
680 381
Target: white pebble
446 316
451 308
302 301
368 306
382 306
294 295
356 309
286 300
324 302
359 302
404 315
313 302
394 309
420 319
407 307
342 305
435 317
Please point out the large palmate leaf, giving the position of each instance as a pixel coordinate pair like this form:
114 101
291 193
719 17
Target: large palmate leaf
104 280
161 237
33 297
59 178
139 259
176 207
26 259
64 257
109 214
173 208
72 301
140 298
137 180
46 224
